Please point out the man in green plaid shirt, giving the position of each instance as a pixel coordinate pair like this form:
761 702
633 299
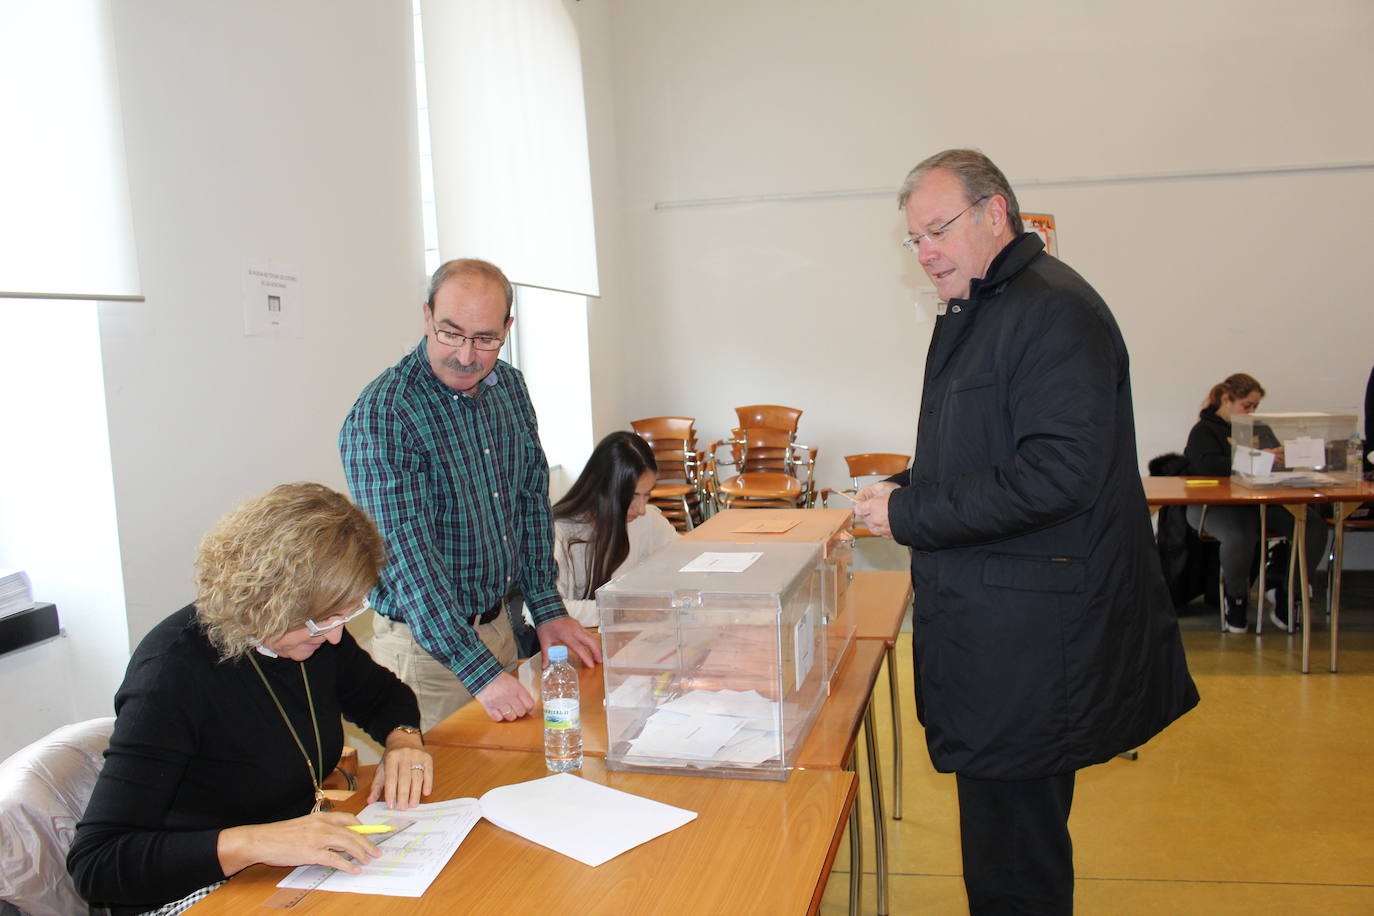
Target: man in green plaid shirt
443 452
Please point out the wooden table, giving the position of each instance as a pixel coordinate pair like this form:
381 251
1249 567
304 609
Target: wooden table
880 599
755 847
1176 491
470 726
829 746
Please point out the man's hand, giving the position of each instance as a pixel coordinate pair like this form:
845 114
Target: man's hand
504 699
568 632
881 488
870 507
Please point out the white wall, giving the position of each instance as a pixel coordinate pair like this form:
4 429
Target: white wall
255 131
810 303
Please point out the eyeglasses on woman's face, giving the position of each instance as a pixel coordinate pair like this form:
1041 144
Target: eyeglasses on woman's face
333 623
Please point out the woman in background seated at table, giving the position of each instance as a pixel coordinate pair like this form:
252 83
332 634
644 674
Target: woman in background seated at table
605 524
1236 528
228 717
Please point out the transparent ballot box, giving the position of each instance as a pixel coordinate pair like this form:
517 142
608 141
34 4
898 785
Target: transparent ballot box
1293 449
714 658
832 529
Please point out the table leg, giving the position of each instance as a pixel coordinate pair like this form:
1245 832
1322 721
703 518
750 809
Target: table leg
1264 563
875 783
856 855
1299 512
896 734
1343 511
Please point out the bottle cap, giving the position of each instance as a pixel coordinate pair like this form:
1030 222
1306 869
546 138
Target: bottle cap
558 654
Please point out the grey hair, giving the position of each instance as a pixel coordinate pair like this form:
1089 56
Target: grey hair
469 267
975 171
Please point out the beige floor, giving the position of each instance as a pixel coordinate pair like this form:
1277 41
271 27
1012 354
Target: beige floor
1261 800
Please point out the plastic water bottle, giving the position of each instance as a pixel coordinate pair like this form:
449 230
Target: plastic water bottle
1354 454
562 713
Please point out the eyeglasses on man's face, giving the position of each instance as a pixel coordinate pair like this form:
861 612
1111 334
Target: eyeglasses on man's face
455 340
913 243
333 623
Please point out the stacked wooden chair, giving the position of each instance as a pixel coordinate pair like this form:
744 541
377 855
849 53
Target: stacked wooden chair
767 467
680 493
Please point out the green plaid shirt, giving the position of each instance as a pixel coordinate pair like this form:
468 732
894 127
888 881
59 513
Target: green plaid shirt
459 487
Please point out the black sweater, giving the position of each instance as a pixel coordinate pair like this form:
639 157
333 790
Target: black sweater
1209 445
198 746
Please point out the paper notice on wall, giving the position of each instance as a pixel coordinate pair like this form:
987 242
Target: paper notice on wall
272 300
1042 224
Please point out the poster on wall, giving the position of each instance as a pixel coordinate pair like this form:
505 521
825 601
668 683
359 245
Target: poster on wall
1042 224
271 300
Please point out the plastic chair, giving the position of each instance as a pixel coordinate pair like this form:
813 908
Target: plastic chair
44 790
868 464
791 487
773 416
679 493
1360 519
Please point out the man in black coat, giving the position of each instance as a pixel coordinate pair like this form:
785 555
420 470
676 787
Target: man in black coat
1045 638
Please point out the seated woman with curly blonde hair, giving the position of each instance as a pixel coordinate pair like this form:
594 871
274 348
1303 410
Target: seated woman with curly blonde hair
228 717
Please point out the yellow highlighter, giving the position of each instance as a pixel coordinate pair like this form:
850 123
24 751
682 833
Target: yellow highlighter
371 828
1202 483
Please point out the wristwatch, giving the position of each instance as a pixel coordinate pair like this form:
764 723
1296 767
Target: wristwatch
411 730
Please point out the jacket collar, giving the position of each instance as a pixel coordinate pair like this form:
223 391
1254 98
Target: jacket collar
952 327
1009 262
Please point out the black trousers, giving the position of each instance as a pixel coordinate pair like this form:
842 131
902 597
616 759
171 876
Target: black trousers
1018 857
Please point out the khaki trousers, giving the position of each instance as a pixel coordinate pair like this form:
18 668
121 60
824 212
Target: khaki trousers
436 687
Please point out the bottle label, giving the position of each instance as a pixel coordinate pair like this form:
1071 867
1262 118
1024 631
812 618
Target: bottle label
561 713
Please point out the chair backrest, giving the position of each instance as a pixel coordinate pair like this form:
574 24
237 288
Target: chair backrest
876 464
654 429
44 789
773 415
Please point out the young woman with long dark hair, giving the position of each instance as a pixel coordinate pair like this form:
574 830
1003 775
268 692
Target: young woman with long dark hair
604 523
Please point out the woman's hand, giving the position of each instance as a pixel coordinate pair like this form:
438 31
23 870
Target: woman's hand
405 773
315 839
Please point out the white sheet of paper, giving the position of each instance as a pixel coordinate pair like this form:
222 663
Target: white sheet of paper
410 862
751 747
1304 452
747 704
579 818
1252 461
669 734
721 562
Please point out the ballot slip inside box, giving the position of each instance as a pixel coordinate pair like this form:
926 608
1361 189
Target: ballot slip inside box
714 658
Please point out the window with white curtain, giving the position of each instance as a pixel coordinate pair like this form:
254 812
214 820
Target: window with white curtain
66 230
508 135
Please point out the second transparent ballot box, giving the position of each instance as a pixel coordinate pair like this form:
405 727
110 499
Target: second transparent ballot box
1294 449
714 658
